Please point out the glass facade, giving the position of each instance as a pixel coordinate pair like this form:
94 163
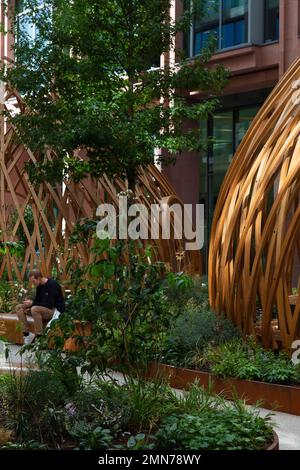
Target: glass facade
25 25
234 23
227 22
224 20
224 130
208 27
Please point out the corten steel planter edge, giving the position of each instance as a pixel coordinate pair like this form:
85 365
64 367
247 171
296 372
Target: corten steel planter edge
276 397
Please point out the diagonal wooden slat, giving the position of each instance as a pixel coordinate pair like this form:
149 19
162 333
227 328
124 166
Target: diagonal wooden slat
47 244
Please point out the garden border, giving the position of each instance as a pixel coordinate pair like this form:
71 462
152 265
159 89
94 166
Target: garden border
275 443
276 397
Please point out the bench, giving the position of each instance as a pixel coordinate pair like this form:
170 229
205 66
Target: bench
11 328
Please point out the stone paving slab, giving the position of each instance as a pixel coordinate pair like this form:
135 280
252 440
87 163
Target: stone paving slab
288 429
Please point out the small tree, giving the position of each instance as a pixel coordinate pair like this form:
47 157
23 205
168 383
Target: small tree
91 92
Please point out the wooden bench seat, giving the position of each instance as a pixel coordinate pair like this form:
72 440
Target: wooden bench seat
11 328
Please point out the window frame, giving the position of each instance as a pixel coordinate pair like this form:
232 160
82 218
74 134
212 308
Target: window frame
254 36
219 23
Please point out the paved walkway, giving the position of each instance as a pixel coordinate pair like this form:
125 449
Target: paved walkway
287 426
288 429
14 359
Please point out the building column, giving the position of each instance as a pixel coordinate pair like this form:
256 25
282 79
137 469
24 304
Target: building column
289 44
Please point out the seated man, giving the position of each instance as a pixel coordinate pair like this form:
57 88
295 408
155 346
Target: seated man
48 297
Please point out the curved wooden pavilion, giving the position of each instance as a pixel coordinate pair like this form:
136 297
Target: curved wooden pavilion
255 242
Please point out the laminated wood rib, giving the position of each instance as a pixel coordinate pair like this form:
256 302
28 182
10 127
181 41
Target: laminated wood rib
254 259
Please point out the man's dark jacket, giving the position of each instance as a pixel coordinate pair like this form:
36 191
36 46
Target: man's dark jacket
50 295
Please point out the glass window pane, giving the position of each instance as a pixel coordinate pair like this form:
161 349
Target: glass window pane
186 43
245 117
227 129
207 25
202 38
239 32
234 9
26 27
271 20
222 148
21 5
234 34
223 144
210 14
234 22
228 35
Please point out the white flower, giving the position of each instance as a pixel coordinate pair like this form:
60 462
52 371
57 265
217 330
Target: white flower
70 409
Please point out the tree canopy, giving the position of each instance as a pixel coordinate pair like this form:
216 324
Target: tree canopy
93 91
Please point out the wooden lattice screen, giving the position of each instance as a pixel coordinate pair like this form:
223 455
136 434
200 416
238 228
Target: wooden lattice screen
255 242
45 215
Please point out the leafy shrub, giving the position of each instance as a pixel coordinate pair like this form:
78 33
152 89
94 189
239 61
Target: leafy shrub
278 369
35 406
28 445
133 407
13 293
133 415
91 438
139 442
181 288
248 360
125 303
193 331
224 429
147 415
98 404
297 373
204 421
197 399
8 295
147 403
63 367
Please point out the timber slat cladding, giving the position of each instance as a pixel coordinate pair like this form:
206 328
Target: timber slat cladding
254 256
55 209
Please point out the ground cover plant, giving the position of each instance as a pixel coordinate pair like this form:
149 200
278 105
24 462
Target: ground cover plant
248 360
198 338
135 414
